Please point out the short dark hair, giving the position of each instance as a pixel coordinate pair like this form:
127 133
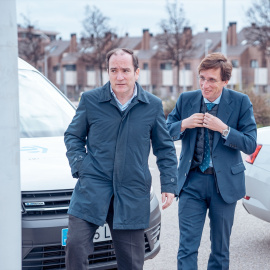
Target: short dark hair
215 61
125 50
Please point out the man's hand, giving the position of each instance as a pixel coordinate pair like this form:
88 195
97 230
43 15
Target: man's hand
195 120
167 199
213 123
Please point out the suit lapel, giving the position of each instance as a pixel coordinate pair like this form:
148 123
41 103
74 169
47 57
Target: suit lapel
194 107
225 110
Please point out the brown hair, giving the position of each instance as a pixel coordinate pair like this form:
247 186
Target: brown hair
215 61
125 50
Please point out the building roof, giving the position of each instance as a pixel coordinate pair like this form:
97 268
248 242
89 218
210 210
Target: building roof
57 47
70 58
200 40
130 42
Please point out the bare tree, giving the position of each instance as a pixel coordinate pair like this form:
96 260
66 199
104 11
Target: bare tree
259 33
176 40
98 39
31 47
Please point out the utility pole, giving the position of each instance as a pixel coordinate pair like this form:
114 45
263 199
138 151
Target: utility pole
224 32
10 192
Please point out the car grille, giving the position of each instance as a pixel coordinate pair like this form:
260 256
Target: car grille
49 203
53 257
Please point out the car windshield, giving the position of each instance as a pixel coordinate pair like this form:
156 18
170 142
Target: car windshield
44 112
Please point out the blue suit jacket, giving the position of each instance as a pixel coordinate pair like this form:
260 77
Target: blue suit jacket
235 110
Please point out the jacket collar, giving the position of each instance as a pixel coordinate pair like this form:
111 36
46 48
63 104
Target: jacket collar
225 109
105 94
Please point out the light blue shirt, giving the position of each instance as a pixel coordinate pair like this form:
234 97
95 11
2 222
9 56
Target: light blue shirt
124 106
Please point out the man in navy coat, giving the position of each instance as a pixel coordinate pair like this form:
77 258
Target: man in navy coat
108 144
215 124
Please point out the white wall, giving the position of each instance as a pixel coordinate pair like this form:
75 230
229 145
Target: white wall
185 77
71 77
145 77
260 76
58 77
91 78
236 76
167 77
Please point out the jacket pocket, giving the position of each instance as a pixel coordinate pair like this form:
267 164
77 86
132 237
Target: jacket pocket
238 168
80 164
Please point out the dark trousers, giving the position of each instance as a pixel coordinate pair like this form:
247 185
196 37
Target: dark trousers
199 194
129 245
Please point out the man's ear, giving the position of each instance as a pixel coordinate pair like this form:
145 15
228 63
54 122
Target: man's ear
137 73
226 82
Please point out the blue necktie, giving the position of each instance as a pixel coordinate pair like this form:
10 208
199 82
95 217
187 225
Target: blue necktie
206 152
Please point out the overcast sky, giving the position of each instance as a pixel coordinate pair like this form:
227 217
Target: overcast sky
131 16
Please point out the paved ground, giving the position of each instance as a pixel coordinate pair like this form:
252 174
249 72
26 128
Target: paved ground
250 241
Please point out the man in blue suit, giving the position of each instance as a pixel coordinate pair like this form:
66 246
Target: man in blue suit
215 124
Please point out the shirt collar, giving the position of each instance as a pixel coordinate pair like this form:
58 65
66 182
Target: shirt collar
217 101
124 106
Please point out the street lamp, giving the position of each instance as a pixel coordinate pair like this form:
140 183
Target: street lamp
224 39
207 44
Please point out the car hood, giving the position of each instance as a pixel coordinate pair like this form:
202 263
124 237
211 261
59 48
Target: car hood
44 165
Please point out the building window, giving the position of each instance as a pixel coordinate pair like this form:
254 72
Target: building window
254 64
55 68
70 67
90 68
145 66
166 66
187 66
235 63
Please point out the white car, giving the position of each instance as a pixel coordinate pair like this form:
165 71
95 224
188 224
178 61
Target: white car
257 199
47 184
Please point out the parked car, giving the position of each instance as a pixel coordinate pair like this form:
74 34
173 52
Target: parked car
47 184
257 199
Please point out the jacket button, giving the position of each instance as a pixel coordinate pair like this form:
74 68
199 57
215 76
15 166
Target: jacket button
172 179
185 175
190 161
75 159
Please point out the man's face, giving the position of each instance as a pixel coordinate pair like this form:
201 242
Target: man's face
211 83
122 74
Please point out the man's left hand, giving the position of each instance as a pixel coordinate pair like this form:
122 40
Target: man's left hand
167 199
213 123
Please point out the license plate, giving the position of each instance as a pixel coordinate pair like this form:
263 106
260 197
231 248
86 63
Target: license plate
102 234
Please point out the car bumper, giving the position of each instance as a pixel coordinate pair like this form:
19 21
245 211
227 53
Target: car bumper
42 249
257 191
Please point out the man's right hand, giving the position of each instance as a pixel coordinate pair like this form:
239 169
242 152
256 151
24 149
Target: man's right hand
195 120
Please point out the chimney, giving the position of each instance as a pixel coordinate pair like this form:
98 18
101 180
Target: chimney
231 34
73 43
206 29
82 41
187 36
146 40
127 34
108 36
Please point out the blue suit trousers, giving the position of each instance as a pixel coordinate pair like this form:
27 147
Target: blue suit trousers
199 194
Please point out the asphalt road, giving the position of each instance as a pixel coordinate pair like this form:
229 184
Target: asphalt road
250 240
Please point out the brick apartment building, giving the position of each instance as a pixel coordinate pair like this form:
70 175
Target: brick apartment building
64 66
